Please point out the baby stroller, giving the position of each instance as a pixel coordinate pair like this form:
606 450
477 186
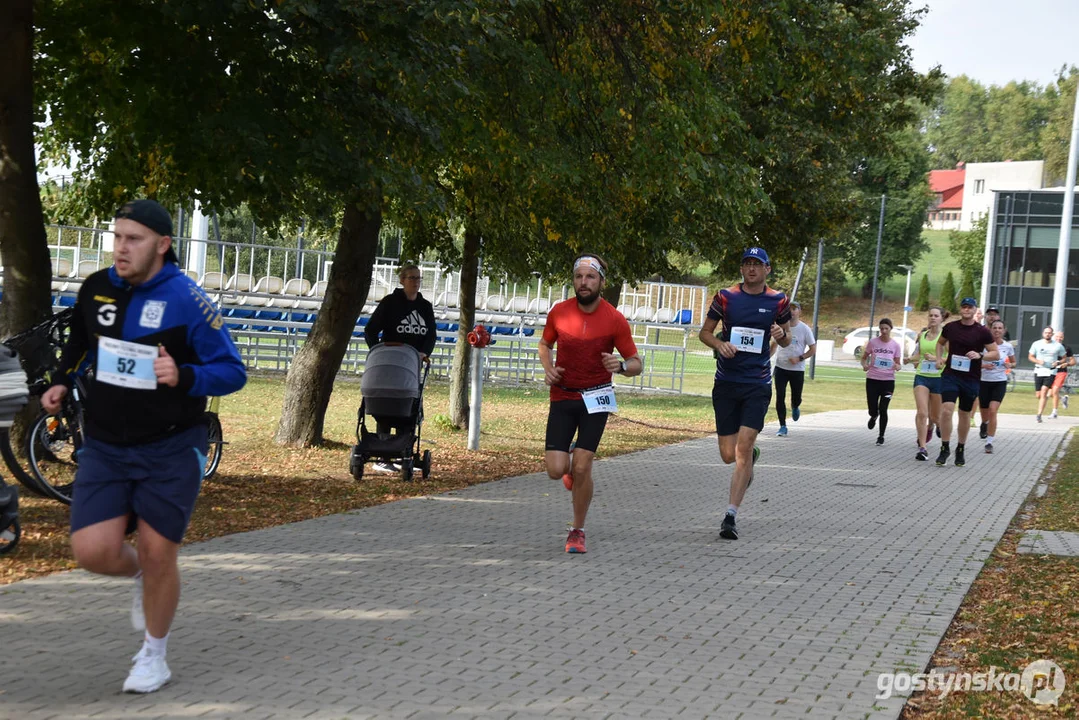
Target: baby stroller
392 388
13 395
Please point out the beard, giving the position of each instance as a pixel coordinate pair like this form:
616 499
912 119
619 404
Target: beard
586 297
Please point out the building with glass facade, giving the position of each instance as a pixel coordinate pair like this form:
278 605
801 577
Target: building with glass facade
1021 263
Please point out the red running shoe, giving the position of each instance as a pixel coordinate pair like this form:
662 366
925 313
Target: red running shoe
575 541
567 481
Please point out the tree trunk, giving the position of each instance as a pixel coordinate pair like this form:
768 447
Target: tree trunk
613 292
462 354
23 248
314 367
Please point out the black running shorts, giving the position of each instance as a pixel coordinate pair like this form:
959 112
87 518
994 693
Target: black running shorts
569 417
991 391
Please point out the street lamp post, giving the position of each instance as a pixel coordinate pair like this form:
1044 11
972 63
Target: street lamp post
906 305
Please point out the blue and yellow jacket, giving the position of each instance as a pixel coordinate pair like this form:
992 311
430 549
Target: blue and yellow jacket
169 310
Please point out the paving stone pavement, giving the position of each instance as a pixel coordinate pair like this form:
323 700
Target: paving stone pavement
852 562
1047 542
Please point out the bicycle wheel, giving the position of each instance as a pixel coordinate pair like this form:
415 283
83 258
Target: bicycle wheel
18 463
215 442
52 445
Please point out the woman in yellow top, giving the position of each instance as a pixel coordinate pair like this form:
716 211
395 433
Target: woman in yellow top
927 380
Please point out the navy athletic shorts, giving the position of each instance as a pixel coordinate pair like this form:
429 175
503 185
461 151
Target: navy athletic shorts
739 405
157 481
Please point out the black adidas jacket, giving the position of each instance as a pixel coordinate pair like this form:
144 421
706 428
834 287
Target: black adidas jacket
399 319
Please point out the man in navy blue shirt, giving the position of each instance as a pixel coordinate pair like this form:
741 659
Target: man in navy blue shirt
750 313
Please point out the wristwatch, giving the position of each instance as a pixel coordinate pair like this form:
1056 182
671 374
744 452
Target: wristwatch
622 367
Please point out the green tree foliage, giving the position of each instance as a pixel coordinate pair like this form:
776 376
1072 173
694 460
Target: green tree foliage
922 301
1056 136
968 247
1022 120
947 294
966 285
901 174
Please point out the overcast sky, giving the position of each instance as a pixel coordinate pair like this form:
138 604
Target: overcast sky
996 41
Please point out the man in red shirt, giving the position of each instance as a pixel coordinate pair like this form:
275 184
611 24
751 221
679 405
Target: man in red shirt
586 329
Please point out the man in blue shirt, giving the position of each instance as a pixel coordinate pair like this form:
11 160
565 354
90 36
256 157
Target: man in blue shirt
750 313
158 347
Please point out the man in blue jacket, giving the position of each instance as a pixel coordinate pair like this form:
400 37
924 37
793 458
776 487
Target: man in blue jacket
158 347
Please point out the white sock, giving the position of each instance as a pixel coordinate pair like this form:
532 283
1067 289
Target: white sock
155 646
732 510
989 440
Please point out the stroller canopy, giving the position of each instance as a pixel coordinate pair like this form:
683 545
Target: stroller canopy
391 371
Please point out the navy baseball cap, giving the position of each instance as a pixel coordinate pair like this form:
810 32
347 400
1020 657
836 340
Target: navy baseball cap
151 214
757 253
968 301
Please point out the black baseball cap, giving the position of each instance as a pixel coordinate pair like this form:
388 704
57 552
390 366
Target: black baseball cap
993 308
153 215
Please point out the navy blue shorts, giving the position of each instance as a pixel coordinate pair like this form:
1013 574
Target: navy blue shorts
739 405
933 383
157 481
954 387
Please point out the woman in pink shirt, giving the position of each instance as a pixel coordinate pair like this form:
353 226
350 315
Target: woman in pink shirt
880 360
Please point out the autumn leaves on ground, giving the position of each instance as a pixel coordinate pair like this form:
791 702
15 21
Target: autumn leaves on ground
260 484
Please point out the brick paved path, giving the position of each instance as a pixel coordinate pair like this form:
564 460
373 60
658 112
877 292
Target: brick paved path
853 560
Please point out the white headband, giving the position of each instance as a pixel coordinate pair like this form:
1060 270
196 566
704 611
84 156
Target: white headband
592 262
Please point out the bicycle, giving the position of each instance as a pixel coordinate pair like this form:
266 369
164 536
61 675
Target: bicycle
38 349
52 443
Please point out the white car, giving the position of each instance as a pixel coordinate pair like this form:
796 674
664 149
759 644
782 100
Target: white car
854 342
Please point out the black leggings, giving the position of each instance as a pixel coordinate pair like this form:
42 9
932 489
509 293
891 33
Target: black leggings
797 381
878 393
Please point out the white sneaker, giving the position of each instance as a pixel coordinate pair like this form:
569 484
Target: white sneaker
386 467
1053 415
149 673
138 616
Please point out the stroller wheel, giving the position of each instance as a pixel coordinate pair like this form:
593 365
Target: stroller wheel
406 469
425 465
9 537
355 464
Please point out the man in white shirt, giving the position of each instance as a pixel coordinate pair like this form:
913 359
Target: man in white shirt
1045 354
790 367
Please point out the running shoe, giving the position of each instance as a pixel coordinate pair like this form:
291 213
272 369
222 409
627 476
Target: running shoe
386 467
149 673
872 422
937 430
567 481
756 454
983 431
797 412
138 615
782 431
880 440
942 459
1063 399
989 448
728 530
575 541
1053 415
960 460
928 434
922 454
1039 418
